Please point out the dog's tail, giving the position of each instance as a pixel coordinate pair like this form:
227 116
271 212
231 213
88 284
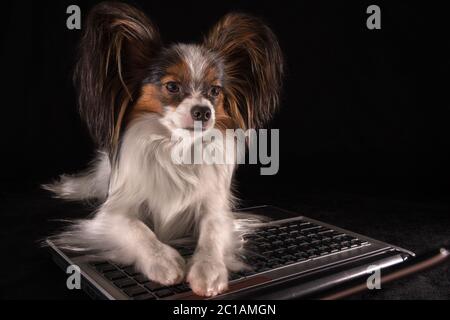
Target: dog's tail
91 184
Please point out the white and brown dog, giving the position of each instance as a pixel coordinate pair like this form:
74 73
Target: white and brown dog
134 93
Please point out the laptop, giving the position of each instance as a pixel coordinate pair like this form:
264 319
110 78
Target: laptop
291 256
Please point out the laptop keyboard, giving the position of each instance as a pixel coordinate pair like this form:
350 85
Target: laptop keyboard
293 242
270 247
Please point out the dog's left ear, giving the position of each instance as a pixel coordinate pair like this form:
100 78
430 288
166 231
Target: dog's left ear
116 49
253 64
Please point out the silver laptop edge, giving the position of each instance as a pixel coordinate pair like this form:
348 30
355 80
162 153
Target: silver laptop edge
99 287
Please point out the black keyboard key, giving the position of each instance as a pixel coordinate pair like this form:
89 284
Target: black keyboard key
131 271
304 248
141 278
311 236
277 243
180 288
264 246
304 224
162 293
301 256
275 264
152 286
358 242
314 229
337 234
145 296
258 239
325 232
134 291
114 275
105 267
281 260
289 241
123 283
262 260
289 259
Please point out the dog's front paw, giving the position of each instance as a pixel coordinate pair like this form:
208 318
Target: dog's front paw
207 276
165 266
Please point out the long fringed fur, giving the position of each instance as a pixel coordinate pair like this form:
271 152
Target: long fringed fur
164 195
90 184
117 46
146 200
84 236
253 68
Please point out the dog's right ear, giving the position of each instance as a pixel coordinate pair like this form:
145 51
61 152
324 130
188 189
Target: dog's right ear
116 49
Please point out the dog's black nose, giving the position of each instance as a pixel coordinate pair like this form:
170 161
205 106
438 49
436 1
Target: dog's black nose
200 113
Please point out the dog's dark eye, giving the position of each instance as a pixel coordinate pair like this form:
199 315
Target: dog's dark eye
173 87
214 91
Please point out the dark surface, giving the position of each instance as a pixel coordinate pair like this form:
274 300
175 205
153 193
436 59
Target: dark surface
413 225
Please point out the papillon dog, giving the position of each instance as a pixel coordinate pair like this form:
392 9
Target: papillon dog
135 94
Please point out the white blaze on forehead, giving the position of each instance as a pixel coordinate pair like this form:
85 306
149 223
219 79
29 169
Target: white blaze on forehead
196 60
196 101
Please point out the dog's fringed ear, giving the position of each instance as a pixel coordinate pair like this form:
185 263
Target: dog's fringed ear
118 43
253 65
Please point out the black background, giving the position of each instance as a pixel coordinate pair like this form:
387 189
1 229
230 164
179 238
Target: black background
363 121
363 110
